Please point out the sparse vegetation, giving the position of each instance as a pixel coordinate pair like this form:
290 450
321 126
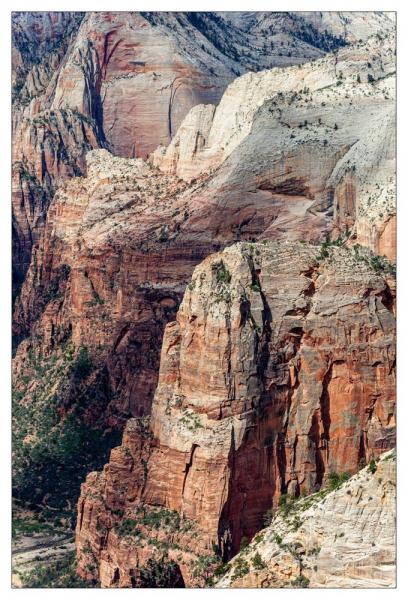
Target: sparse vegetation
58 574
335 480
301 581
162 573
268 517
54 445
258 562
241 568
372 467
222 273
286 504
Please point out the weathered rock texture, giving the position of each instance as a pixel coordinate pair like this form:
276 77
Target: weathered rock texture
345 540
82 81
312 140
47 146
284 179
278 370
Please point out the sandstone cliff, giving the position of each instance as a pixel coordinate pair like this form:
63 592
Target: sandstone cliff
314 140
344 538
83 81
278 370
120 243
287 177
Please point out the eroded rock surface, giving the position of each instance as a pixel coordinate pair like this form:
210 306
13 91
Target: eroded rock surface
127 80
344 540
278 370
316 139
284 179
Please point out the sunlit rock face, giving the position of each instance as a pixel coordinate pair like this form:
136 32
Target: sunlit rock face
346 540
278 370
127 80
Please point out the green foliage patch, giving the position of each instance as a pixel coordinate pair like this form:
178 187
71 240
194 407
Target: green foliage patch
59 574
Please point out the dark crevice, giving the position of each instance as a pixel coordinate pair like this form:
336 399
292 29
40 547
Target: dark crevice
188 467
325 404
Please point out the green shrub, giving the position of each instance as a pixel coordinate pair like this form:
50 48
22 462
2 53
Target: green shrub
372 467
301 582
241 568
162 573
221 569
335 480
127 527
286 503
258 562
223 275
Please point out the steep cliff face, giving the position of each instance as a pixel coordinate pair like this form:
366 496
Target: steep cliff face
48 146
82 81
312 140
110 268
278 370
343 539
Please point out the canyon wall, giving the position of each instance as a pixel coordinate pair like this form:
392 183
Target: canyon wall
278 371
126 80
325 129
260 147
109 269
287 177
343 538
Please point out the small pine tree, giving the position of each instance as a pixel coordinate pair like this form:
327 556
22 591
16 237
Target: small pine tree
372 466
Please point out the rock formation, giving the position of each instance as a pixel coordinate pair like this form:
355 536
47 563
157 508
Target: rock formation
342 539
260 147
278 370
109 270
282 177
315 139
127 80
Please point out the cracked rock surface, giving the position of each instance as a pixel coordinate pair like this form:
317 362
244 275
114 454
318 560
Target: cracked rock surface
277 371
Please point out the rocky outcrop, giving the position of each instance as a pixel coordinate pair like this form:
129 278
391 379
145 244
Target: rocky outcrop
340 539
278 371
110 269
315 139
48 146
82 81
47 149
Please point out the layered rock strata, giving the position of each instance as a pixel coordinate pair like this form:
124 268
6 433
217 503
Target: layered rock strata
326 130
347 539
278 370
82 81
284 180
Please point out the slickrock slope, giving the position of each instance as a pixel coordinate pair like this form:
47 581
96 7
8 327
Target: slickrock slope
82 81
345 539
278 370
312 140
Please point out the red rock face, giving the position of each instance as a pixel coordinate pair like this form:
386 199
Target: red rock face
278 371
